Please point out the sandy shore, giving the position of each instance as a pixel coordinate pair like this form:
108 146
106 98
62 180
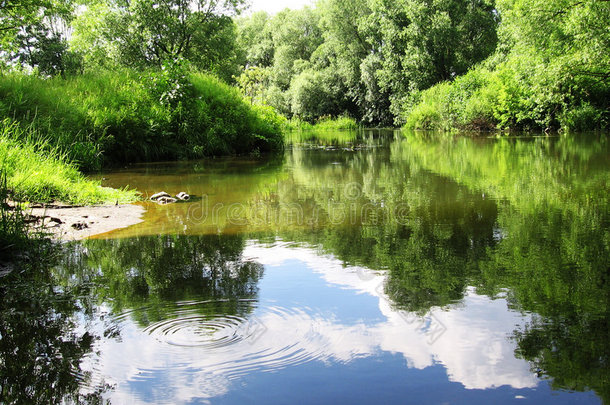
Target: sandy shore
74 223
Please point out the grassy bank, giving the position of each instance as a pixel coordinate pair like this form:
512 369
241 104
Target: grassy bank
127 116
324 124
512 96
35 171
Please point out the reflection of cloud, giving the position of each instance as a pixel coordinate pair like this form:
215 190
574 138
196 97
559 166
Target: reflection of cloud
474 348
476 351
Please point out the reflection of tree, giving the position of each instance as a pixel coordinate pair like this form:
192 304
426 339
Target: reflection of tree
556 265
431 249
572 350
544 236
40 349
158 271
434 264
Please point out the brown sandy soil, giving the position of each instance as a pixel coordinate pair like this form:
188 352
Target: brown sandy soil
74 223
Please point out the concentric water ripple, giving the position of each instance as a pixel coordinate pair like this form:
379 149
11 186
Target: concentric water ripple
195 323
197 330
280 337
195 336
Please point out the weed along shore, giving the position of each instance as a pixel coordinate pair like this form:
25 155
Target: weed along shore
67 223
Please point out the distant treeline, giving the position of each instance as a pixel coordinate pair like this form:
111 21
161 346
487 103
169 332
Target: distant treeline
450 64
445 64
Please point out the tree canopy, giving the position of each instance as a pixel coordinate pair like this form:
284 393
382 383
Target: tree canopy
527 63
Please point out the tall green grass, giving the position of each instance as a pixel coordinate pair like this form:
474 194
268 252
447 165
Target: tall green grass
126 116
327 138
323 124
35 171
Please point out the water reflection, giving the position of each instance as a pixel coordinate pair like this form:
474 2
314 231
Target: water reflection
450 222
41 342
194 360
468 338
463 264
161 275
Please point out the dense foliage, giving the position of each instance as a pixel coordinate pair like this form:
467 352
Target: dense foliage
432 64
361 58
145 33
167 114
551 71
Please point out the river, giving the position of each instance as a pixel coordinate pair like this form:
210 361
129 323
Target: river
357 267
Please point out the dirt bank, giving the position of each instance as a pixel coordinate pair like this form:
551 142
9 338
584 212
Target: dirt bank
74 223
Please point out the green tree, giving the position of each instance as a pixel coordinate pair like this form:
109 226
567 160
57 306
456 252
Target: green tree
351 48
34 34
44 47
316 93
255 40
15 14
429 41
551 71
296 35
145 33
281 49
569 73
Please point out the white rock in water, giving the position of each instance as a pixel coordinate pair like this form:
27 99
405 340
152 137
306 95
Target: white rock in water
155 197
182 196
166 200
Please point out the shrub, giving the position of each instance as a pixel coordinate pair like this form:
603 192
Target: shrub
582 118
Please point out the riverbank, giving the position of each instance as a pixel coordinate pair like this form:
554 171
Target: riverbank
67 223
132 116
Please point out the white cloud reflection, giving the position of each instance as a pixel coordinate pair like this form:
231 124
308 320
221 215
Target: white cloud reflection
474 348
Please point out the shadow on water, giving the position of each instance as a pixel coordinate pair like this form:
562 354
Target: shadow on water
41 346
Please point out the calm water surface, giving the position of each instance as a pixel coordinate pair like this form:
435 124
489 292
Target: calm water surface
370 267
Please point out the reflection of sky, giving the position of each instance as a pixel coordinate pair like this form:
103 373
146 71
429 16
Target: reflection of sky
473 347
313 310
